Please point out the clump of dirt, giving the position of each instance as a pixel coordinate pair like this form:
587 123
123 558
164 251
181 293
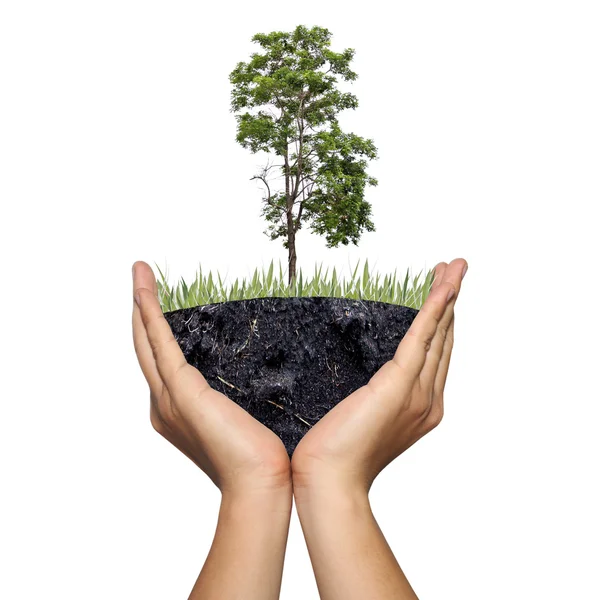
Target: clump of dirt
288 361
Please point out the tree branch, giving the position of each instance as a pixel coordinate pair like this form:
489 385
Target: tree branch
299 217
305 156
300 123
311 183
263 178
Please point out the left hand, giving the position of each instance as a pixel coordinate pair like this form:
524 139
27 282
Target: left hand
402 402
236 451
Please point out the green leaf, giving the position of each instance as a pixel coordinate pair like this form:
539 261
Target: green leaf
372 286
186 292
270 276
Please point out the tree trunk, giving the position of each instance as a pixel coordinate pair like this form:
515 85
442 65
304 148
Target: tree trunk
291 252
291 233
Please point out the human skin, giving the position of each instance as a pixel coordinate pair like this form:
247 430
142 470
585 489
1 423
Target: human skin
245 459
332 468
336 462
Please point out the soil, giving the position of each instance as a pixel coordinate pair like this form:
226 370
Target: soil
288 361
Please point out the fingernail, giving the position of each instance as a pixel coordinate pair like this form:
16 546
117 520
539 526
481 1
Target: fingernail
464 271
136 297
133 271
450 294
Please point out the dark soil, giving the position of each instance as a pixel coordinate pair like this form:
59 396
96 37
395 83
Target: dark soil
288 361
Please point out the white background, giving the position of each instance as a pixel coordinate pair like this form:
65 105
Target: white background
117 145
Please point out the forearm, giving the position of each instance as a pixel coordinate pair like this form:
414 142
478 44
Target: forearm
349 554
246 558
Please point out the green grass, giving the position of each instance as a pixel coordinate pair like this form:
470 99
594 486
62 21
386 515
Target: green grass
363 285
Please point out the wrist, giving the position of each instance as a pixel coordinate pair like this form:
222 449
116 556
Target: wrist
330 494
259 483
319 478
259 500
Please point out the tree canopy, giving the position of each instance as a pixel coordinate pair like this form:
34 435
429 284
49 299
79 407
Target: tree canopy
286 103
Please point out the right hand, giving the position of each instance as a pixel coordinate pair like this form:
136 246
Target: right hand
402 402
236 451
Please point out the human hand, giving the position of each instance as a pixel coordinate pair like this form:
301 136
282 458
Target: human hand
236 451
402 402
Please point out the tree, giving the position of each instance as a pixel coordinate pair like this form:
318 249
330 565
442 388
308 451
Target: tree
293 87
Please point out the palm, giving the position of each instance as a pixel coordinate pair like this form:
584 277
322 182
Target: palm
333 430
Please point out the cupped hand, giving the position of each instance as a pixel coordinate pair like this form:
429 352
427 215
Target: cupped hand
235 450
402 402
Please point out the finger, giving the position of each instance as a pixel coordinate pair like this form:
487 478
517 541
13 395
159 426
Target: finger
440 268
442 372
444 361
168 356
452 275
144 277
397 376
